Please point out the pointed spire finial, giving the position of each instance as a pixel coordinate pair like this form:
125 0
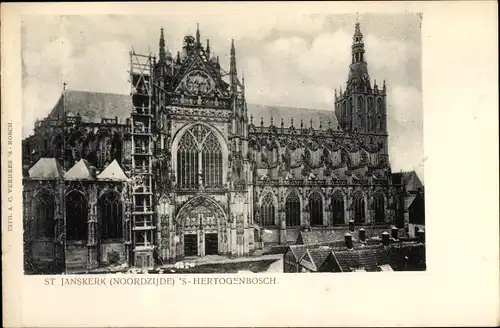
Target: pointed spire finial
291 122
301 123
178 60
311 123
282 124
232 68
272 121
208 48
251 119
64 86
198 34
261 121
384 86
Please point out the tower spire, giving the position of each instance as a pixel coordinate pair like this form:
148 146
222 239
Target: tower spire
208 48
162 47
358 70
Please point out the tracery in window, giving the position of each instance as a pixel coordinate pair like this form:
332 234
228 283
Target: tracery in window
316 209
379 204
199 159
43 206
76 216
111 215
359 207
337 208
267 211
292 210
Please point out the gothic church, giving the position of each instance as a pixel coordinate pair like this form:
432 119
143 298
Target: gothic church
179 168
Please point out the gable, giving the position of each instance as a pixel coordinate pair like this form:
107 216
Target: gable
198 76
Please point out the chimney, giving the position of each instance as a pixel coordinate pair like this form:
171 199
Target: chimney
362 235
351 225
348 240
421 236
394 233
385 238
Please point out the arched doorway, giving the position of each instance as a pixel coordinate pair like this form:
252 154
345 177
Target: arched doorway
201 226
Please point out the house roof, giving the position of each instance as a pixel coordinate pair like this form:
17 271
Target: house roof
399 256
46 168
319 255
113 172
79 171
319 236
94 106
410 180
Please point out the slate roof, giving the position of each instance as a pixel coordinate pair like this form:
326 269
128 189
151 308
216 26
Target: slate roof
46 168
80 171
94 106
113 172
399 256
319 255
410 180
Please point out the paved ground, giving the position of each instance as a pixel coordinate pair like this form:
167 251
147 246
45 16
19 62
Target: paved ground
219 259
276 267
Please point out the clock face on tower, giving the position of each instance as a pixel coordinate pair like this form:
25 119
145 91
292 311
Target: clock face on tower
198 82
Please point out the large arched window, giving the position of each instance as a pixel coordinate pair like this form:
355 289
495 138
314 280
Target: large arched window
316 209
337 208
199 151
361 105
104 152
292 210
212 162
359 208
267 211
111 215
76 216
44 212
379 204
379 106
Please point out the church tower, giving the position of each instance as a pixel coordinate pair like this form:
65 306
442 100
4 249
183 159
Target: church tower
361 107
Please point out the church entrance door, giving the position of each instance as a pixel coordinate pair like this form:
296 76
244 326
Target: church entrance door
191 245
211 244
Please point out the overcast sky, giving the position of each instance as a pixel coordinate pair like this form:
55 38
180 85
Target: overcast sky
293 60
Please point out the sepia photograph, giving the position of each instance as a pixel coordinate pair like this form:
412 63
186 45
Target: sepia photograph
177 144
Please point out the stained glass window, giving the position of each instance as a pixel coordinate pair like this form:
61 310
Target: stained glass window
111 215
199 151
267 211
76 216
292 210
316 209
379 202
338 208
359 208
44 210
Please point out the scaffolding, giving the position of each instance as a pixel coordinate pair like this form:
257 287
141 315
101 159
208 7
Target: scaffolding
142 119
